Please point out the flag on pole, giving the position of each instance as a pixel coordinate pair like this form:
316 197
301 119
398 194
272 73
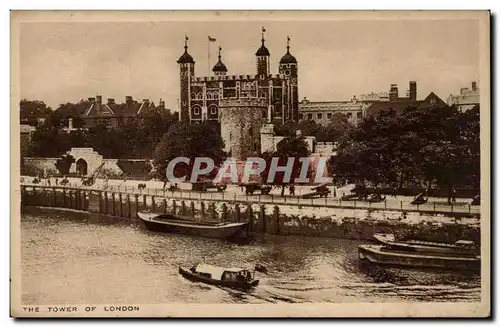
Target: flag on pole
211 39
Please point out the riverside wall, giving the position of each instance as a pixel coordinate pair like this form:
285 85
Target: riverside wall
277 219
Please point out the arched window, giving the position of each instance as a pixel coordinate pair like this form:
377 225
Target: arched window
196 110
213 109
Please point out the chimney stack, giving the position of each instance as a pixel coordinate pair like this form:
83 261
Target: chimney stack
474 86
91 99
393 93
128 99
111 101
98 99
161 104
413 91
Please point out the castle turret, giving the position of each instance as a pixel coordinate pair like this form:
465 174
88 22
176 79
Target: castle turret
288 67
186 65
219 68
263 57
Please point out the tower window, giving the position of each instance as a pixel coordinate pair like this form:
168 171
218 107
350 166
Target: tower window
310 116
349 115
359 115
301 116
319 116
196 110
329 115
213 110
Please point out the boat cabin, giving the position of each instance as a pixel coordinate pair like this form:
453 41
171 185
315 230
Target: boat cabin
221 273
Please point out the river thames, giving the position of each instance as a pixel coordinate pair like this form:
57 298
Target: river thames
67 258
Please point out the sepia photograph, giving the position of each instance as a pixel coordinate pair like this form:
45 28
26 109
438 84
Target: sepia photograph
250 164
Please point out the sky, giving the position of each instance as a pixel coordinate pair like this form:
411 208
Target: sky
67 62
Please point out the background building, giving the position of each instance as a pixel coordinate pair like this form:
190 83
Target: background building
322 112
200 97
467 99
93 112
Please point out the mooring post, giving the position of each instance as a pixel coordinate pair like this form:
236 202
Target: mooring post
165 206
54 199
193 211
153 205
145 204
174 207
183 208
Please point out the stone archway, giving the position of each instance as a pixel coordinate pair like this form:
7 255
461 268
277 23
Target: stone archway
81 167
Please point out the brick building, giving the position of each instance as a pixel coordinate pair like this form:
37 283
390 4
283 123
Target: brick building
93 112
201 97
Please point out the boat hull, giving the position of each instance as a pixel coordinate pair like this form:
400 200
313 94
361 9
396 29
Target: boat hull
197 278
379 254
420 247
182 226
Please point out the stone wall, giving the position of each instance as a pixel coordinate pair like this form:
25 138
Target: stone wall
270 219
111 169
39 166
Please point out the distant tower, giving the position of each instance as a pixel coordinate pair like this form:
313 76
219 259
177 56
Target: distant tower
186 65
263 57
288 67
413 91
393 93
219 68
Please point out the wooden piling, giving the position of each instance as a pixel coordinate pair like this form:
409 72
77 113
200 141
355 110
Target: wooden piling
183 208
121 204
174 207
136 205
165 206
65 200
129 209
224 212
262 218
106 203
202 211
153 205
237 212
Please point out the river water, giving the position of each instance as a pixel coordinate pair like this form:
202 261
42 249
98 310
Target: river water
70 259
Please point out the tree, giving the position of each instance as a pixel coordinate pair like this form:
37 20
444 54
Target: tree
64 163
190 141
31 111
290 147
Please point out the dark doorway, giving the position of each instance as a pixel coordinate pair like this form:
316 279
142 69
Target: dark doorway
81 167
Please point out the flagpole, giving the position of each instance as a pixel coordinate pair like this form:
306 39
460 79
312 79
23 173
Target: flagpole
208 40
